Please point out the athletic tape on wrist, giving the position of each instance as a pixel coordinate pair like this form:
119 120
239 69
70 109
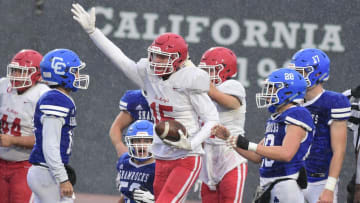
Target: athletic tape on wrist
252 146
331 183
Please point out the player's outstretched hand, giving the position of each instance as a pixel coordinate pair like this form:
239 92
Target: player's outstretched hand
85 19
220 131
182 143
143 195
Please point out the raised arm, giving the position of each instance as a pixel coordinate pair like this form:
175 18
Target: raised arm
117 57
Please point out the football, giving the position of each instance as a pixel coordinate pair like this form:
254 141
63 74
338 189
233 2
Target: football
169 130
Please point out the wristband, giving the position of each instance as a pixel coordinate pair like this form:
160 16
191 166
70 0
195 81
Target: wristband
331 183
252 146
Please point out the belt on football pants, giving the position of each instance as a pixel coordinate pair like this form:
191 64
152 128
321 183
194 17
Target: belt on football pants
40 164
317 175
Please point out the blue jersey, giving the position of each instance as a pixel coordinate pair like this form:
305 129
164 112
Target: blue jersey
133 176
274 136
324 109
135 103
54 103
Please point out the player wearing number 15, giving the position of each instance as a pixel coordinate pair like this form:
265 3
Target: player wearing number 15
54 121
19 92
175 89
288 135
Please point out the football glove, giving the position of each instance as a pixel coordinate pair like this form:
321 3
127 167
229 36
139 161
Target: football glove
182 143
142 195
85 19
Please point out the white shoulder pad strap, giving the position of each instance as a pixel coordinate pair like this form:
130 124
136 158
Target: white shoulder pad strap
191 79
54 110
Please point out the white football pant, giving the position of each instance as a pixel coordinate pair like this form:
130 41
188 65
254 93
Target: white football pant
313 191
44 186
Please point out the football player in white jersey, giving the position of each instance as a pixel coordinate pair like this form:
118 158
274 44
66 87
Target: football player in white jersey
175 90
19 92
224 170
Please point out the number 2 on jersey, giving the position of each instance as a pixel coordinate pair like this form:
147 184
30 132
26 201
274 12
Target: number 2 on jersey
15 127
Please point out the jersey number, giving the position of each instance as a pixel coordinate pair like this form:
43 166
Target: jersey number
15 127
269 141
158 112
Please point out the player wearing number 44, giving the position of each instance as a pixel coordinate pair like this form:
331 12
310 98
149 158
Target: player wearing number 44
19 92
288 135
175 89
50 178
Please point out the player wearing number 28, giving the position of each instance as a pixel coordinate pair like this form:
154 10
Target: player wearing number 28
19 92
176 89
288 135
54 121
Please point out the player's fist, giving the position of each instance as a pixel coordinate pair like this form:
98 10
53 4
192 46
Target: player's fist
66 189
220 131
85 19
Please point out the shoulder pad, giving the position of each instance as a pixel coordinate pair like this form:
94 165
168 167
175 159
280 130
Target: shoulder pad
232 87
56 104
191 79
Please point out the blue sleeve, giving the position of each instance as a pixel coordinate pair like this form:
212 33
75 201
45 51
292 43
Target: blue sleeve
300 117
56 105
122 159
340 107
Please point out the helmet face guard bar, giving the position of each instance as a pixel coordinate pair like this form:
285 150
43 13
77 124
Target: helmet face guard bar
213 71
269 94
162 68
20 76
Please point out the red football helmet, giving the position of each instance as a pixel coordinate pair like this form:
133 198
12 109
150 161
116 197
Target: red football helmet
166 54
220 63
24 69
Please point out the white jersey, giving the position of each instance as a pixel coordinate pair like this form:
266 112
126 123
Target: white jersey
17 113
219 159
183 96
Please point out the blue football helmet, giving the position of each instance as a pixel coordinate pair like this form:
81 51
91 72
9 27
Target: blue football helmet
139 138
283 86
313 64
62 67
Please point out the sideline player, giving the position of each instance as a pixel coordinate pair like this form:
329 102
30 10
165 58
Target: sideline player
139 162
133 106
353 187
50 178
19 92
288 135
224 170
330 111
162 76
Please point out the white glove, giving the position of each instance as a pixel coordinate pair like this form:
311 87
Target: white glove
183 143
143 196
85 19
